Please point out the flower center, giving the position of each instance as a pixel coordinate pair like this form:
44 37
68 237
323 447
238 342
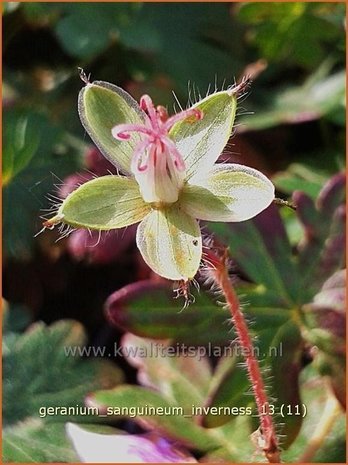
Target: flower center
157 164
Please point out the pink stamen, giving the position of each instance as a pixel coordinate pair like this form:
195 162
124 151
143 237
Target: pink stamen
178 160
119 131
193 112
147 105
156 154
139 156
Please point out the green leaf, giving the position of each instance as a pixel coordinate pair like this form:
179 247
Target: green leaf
21 141
26 194
334 448
38 371
149 309
101 107
88 31
320 406
174 424
236 443
319 96
304 31
201 142
229 388
206 35
181 379
285 365
15 318
33 441
298 176
104 203
261 248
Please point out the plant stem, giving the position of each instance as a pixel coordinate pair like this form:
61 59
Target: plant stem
268 439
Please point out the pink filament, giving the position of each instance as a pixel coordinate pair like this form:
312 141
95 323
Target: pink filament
155 131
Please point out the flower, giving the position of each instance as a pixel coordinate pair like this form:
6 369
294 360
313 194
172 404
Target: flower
170 177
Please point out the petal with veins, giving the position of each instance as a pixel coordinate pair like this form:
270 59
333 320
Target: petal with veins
104 203
170 243
103 106
230 192
201 142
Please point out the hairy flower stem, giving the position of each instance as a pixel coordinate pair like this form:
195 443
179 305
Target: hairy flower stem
267 440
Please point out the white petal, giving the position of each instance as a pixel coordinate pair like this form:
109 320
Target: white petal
170 243
230 192
201 142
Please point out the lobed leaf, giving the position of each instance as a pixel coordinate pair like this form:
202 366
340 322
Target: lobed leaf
34 441
37 371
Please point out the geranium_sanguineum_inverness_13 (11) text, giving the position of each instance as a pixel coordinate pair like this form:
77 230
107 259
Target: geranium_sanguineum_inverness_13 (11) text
170 180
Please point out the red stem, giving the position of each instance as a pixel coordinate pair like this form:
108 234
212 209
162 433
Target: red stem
221 278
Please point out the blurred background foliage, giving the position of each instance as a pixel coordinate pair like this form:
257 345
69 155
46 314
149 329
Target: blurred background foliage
291 127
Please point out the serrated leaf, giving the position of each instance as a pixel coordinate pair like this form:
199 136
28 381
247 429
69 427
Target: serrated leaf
36 442
39 371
